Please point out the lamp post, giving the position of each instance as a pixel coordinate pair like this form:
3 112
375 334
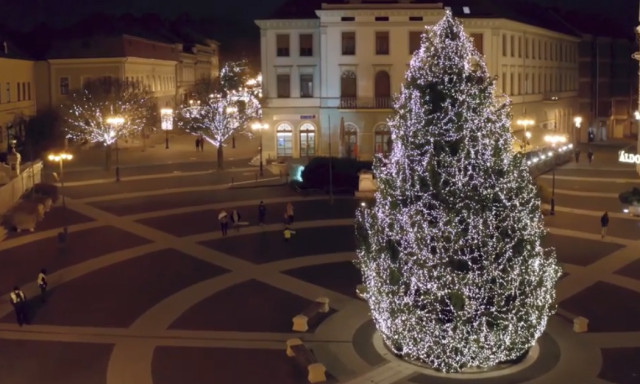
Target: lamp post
260 127
116 121
60 158
166 115
553 140
526 123
577 121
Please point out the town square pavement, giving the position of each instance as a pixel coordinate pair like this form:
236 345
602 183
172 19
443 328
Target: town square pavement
147 290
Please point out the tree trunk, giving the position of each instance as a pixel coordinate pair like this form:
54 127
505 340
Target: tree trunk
220 157
107 159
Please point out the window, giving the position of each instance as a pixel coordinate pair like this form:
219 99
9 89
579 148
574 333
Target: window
348 90
513 46
504 45
18 92
307 140
382 43
282 45
382 18
29 90
306 44
351 141
284 142
513 83
533 49
306 85
526 47
348 43
382 139
347 18
477 42
8 92
414 41
64 85
284 85
519 46
415 18
382 90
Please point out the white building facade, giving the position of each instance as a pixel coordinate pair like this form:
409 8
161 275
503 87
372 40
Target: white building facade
329 81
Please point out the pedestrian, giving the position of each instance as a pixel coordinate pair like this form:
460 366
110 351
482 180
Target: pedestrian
223 218
262 213
197 144
604 222
287 232
19 302
201 143
590 156
289 213
42 284
577 155
235 218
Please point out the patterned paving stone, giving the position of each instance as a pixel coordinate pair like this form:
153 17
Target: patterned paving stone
579 251
131 206
46 253
339 277
117 295
55 218
577 222
270 246
250 306
620 365
31 362
631 270
192 223
224 366
608 307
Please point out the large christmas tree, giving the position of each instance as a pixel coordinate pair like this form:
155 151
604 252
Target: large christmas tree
451 253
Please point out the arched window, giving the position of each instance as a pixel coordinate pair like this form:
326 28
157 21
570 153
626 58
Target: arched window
284 142
351 141
307 140
382 139
382 90
348 89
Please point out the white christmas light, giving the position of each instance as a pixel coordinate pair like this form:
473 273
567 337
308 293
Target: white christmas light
451 252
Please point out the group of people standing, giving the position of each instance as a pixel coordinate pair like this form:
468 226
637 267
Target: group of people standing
200 143
576 154
235 218
18 299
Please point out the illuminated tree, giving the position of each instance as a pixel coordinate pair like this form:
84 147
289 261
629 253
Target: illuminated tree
88 109
216 111
451 253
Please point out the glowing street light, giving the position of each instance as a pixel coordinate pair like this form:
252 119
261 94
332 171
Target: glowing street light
116 121
257 126
553 140
525 123
166 117
577 121
60 158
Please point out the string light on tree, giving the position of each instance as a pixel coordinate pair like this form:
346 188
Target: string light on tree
451 253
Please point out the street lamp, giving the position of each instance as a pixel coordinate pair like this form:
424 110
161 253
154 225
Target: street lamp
60 158
116 121
577 121
553 140
257 126
166 116
526 123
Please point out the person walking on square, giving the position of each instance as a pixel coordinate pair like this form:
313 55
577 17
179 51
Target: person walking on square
577 155
42 284
201 143
19 302
287 232
262 213
590 156
289 213
604 222
197 144
223 218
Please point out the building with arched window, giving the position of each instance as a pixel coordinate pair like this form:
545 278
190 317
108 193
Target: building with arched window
330 70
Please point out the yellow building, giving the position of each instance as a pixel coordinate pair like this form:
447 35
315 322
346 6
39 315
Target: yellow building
17 94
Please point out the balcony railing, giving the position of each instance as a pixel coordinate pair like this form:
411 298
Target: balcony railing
380 102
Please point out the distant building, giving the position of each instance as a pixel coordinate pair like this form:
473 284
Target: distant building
330 70
17 93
